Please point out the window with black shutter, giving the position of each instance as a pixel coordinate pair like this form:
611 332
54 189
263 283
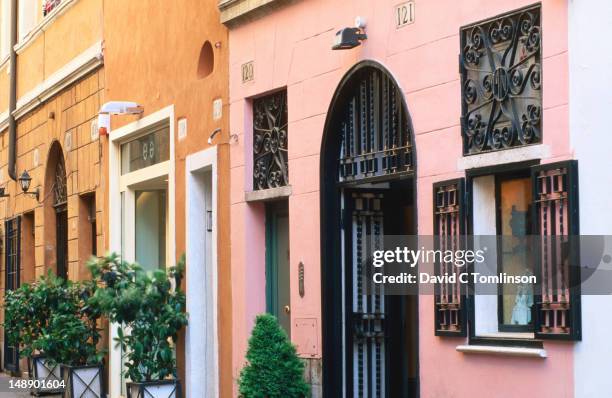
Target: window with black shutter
449 229
528 219
555 202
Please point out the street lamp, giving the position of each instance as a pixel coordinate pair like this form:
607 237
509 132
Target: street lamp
25 180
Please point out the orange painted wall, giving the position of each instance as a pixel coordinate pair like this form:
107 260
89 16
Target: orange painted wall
152 50
64 119
71 33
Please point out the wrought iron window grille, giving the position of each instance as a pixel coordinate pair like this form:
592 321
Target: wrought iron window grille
501 90
270 139
60 191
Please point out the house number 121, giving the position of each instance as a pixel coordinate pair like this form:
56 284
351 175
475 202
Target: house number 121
404 14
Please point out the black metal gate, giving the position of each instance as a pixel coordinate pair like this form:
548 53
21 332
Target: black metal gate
366 339
12 263
368 140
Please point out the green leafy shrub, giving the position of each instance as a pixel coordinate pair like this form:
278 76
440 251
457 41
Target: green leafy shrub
72 334
149 306
53 317
273 369
25 315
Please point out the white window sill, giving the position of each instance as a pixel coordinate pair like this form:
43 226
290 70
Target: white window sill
504 351
518 154
508 335
264 195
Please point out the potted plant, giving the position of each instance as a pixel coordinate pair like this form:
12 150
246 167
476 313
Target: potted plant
71 339
273 370
150 311
28 310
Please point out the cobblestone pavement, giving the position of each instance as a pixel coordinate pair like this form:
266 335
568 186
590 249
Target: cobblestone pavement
4 388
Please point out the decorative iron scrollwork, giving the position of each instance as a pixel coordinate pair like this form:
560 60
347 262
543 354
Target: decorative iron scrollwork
501 90
60 192
270 168
376 136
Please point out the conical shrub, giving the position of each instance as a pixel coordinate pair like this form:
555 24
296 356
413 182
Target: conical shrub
273 369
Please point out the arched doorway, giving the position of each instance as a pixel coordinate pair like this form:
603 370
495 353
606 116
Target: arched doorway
56 211
370 341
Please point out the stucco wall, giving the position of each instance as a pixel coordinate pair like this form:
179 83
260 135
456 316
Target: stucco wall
590 100
152 50
292 47
68 114
71 33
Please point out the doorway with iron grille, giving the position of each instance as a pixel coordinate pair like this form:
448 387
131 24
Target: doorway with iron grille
56 211
370 340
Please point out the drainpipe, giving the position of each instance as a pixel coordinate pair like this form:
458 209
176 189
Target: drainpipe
12 158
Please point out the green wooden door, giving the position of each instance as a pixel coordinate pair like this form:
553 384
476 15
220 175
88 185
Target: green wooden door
278 300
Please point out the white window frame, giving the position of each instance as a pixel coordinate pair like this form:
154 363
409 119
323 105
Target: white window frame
119 183
5 31
201 349
27 21
484 221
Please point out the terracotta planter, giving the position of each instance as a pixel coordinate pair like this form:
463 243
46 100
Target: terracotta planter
83 381
154 389
48 377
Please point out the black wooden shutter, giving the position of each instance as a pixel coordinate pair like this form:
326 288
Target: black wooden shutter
555 205
449 229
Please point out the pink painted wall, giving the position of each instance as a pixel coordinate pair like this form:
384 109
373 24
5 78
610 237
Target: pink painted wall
291 47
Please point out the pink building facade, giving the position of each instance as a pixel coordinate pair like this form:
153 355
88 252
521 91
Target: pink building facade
410 94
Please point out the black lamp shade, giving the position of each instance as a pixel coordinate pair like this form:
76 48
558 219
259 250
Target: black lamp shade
24 181
348 38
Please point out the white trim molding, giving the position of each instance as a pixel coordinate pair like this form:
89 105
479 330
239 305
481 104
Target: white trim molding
84 63
43 25
234 11
521 154
498 350
4 62
201 338
4 120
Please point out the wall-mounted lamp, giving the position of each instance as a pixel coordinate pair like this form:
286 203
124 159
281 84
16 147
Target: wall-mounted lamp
348 38
233 138
116 108
212 135
25 180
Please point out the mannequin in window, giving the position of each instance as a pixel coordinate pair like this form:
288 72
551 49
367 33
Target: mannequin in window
521 313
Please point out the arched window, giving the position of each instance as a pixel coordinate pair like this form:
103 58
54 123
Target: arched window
56 210
374 129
